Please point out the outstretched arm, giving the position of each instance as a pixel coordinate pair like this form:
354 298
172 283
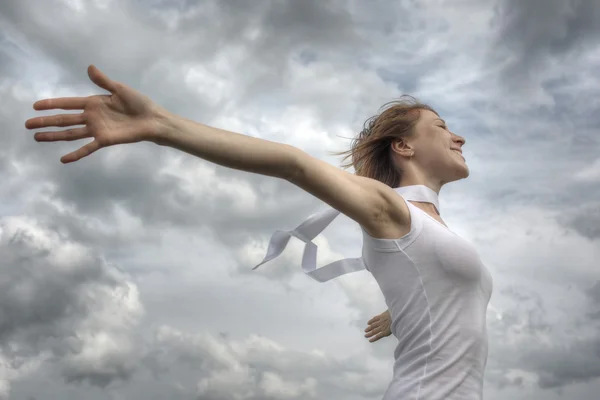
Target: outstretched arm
367 201
126 116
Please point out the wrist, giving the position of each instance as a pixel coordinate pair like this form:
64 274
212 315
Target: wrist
164 124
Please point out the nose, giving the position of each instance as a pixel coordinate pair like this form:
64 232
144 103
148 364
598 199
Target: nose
458 139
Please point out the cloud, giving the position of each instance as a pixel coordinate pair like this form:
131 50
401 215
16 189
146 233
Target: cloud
257 368
532 36
518 80
62 304
590 174
531 349
586 220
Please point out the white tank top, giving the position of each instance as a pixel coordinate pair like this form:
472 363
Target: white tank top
437 291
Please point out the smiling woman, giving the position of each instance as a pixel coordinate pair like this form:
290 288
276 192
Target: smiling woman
434 283
371 153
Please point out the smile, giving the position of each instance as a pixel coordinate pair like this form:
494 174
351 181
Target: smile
460 152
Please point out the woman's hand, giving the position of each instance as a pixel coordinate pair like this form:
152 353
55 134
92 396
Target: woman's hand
124 116
379 327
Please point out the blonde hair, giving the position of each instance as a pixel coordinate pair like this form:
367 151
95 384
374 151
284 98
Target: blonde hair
370 152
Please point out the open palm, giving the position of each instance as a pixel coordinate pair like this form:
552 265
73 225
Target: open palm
124 116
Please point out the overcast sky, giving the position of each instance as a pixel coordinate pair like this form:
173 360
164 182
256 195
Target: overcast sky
127 275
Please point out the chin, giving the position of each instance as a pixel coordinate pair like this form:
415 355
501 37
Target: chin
458 174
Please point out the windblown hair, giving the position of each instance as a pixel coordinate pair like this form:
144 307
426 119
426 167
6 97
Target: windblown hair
370 153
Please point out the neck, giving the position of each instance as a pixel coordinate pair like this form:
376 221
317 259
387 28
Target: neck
426 197
413 176
434 185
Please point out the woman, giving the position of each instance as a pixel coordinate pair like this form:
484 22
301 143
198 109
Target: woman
433 282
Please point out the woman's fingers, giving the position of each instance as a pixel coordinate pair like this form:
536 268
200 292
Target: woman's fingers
83 151
376 318
371 330
55 120
377 334
373 333
376 338
68 135
62 103
100 79
372 326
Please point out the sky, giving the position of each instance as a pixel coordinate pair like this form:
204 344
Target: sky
127 275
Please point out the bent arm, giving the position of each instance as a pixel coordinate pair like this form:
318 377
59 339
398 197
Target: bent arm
372 204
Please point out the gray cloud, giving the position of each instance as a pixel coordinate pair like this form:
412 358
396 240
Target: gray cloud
61 303
586 221
301 73
594 293
579 362
554 26
534 33
557 355
255 368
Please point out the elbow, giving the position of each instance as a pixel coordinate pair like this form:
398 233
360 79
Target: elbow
292 170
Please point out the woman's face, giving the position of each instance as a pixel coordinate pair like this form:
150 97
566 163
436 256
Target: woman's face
437 151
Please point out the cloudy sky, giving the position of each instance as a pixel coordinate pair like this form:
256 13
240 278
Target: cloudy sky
127 275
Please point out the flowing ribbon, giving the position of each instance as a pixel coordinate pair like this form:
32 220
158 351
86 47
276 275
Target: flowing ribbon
316 223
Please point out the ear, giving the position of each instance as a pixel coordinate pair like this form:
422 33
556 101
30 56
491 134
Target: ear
400 147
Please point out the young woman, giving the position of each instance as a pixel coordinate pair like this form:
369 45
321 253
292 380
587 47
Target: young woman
433 282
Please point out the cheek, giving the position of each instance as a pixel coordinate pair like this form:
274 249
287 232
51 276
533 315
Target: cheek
434 148
438 150
430 142
440 157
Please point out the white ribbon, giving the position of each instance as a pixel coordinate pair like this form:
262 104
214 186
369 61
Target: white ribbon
316 223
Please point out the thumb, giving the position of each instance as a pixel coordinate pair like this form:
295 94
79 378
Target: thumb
100 79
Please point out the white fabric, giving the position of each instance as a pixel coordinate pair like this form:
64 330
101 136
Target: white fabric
437 291
316 223
306 232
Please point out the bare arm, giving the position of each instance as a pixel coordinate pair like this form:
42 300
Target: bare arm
229 149
372 204
127 116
